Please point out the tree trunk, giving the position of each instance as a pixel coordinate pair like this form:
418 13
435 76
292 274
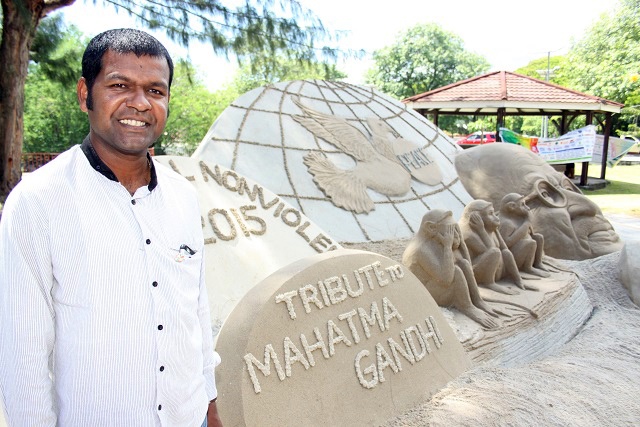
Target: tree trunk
20 19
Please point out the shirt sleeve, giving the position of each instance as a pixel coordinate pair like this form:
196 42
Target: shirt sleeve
210 358
26 314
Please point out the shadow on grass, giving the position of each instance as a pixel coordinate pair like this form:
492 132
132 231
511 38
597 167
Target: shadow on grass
616 187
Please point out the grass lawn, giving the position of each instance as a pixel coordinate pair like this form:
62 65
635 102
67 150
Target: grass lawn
622 194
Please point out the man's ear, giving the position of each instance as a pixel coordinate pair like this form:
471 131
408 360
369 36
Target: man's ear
83 93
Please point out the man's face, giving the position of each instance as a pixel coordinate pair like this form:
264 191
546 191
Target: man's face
130 103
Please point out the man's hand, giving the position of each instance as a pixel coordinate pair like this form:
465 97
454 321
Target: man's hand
213 419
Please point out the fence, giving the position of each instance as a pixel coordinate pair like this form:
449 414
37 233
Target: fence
32 161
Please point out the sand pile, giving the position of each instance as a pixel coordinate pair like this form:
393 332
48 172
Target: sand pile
594 379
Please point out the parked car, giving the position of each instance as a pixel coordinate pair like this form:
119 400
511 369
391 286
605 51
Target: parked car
477 138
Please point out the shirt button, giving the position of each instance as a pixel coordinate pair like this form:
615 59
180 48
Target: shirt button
161 368
159 407
148 241
155 284
133 202
160 327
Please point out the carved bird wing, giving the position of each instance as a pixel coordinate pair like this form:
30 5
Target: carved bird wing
381 132
336 131
344 188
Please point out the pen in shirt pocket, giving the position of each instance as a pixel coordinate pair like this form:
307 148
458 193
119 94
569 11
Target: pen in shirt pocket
183 252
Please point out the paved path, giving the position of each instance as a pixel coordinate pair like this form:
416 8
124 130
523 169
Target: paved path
628 227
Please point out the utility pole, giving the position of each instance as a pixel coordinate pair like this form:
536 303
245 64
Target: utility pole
547 76
545 119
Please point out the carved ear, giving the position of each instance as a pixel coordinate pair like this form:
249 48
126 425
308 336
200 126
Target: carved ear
431 227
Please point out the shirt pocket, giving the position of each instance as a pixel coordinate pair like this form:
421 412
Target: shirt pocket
187 266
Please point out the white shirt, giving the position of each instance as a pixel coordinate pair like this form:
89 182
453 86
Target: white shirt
104 321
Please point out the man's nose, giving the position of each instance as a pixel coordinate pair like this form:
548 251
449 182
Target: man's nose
138 100
580 205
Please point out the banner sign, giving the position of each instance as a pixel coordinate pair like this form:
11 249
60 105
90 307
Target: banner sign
573 147
529 142
618 147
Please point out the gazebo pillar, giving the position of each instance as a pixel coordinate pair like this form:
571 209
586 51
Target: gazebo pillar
605 144
499 123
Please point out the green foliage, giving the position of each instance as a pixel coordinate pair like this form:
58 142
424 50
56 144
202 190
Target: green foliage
53 121
423 58
606 62
254 26
557 66
58 50
261 70
631 116
192 111
484 123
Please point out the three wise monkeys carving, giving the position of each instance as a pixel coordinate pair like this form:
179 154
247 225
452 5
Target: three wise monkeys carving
455 260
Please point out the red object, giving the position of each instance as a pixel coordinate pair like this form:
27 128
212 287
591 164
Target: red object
478 138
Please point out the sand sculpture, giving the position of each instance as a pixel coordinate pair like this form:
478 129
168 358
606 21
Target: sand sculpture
373 154
359 163
491 258
573 226
438 257
249 232
343 338
516 229
629 266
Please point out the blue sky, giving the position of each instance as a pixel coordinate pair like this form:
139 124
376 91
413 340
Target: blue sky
508 33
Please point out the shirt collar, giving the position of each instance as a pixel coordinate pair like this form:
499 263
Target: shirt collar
101 167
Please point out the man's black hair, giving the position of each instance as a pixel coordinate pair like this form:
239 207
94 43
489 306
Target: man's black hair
124 40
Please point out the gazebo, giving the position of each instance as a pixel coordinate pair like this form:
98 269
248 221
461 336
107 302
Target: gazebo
502 93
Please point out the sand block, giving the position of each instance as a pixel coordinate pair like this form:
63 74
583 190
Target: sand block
545 321
343 338
630 269
249 231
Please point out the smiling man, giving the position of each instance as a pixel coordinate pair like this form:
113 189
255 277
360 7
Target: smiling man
104 314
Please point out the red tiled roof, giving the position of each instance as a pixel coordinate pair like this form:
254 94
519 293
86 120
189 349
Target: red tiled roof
506 86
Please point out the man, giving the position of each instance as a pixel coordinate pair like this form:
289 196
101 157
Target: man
572 225
104 316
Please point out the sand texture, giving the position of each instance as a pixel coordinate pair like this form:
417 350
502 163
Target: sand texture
591 379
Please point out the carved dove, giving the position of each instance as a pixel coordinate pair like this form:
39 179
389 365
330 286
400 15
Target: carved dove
376 167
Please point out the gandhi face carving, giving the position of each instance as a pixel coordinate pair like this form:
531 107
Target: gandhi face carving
572 225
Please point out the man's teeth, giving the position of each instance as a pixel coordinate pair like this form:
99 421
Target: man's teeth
132 122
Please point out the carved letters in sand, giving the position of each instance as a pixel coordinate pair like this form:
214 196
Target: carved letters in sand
341 338
249 232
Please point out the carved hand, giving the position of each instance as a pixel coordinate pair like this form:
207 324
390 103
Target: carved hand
475 221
